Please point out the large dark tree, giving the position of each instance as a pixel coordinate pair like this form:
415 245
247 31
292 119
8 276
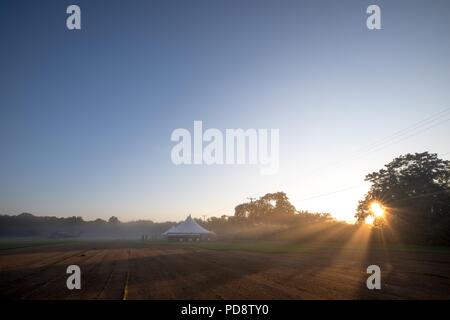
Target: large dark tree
415 189
270 206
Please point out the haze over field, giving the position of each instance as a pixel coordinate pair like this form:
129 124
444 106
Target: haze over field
86 117
236 150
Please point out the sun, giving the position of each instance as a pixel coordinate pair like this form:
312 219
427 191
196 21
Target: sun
370 220
377 209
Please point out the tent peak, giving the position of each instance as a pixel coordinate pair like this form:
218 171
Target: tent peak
187 227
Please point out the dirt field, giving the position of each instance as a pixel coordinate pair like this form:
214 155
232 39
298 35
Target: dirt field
129 270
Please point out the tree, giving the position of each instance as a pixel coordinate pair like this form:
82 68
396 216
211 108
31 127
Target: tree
279 203
269 206
113 220
415 189
74 220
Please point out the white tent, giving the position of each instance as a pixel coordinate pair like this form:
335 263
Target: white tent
188 229
171 230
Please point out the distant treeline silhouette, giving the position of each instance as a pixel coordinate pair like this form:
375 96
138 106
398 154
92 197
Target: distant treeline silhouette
28 225
414 189
250 220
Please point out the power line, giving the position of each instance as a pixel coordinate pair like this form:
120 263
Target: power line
399 136
407 137
331 193
412 127
421 126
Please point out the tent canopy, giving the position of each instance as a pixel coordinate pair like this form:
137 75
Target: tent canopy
172 229
187 227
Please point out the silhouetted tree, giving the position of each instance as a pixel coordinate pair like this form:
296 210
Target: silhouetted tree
278 204
415 189
113 220
272 206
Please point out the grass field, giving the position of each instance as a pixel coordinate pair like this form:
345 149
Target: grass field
220 270
292 247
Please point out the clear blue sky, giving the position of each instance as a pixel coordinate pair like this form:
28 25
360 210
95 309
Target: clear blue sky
86 116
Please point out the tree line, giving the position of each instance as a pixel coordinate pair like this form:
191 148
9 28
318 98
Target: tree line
413 189
28 225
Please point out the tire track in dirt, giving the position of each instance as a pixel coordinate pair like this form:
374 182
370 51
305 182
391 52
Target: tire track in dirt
97 279
192 274
101 293
125 287
33 272
56 287
111 280
250 278
119 271
40 278
152 275
104 277
145 271
32 260
24 265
